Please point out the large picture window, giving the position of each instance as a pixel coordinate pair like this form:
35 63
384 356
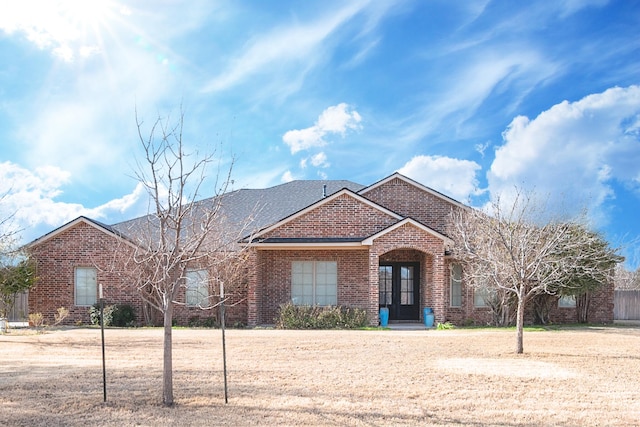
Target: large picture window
197 293
456 285
314 282
86 289
481 296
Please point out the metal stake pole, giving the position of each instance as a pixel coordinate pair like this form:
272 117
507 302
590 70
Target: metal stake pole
104 369
224 346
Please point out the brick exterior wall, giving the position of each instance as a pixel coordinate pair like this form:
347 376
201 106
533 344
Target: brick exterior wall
274 288
410 201
343 216
266 283
411 241
84 245
56 260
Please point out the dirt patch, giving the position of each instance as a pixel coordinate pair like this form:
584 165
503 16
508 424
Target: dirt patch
456 377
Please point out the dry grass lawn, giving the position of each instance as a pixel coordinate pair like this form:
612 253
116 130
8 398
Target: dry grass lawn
571 377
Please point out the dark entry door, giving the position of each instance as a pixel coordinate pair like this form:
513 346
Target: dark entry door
400 290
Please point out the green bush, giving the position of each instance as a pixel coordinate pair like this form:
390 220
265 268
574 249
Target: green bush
199 322
314 317
94 314
122 315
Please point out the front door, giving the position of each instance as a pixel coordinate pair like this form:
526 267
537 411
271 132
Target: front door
400 290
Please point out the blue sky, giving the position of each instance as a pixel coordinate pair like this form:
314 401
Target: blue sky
471 98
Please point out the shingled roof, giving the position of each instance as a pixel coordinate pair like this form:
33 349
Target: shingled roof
264 206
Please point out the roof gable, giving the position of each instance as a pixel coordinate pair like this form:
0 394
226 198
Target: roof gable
416 184
323 202
407 221
69 225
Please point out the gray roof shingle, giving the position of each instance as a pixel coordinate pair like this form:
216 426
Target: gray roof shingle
264 206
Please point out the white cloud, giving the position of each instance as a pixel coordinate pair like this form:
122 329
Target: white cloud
450 108
453 177
571 151
337 119
320 160
287 177
285 46
31 198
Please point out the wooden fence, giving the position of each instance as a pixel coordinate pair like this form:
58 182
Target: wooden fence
20 311
626 305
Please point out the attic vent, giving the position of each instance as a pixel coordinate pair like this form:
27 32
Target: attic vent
324 190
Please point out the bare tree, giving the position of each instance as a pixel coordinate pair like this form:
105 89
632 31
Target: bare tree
507 250
626 279
179 233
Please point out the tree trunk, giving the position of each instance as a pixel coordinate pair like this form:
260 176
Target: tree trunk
582 307
167 368
520 325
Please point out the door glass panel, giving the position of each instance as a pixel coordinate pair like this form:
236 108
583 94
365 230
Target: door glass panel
406 285
385 279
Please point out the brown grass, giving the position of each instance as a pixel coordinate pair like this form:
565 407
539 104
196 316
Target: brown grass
588 376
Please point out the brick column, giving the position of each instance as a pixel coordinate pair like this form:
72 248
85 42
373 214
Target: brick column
374 283
439 302
253 303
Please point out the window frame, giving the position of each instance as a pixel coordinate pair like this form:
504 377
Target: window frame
88 297
200 290
567 301
481 292
309 278
457 283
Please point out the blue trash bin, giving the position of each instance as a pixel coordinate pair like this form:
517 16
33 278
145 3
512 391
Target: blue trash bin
384 316
428 317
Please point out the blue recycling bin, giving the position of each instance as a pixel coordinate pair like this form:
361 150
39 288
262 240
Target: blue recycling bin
384 316
428 317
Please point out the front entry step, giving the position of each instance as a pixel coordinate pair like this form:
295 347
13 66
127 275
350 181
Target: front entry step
407 326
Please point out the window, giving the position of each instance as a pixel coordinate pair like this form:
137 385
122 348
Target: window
314 282
456 285
197 293
481 296
567 301
86 286
406 285
385 281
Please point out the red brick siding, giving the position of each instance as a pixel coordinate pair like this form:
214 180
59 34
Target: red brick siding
409 237
275 274
341 217
85 246
410 201
56 261
600 310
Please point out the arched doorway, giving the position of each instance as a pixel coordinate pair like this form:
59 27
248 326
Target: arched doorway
399 283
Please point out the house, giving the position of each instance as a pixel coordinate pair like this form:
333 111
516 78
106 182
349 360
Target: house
314 243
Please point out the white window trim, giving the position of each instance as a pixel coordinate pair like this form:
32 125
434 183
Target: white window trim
452 282
201 289
314 282
88 294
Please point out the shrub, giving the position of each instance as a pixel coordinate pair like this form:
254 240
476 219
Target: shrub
292 316
123 315
94 314
114 315
446 325
36 320
199 322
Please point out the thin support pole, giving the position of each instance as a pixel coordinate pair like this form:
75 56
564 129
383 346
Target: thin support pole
224 345
104 368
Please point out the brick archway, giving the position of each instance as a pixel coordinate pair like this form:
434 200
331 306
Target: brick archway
410 242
